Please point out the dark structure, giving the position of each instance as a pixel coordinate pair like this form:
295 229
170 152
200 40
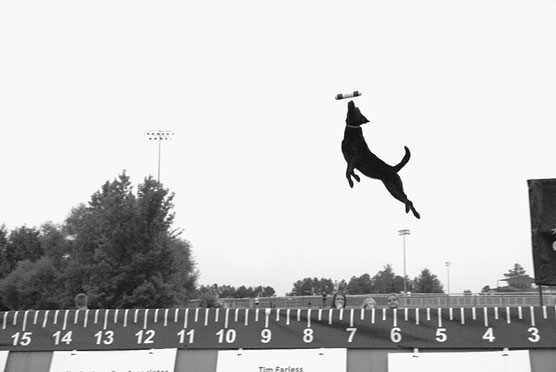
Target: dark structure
542 200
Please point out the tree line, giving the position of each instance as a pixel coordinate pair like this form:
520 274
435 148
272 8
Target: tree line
122 251
119 248
384 281
210 293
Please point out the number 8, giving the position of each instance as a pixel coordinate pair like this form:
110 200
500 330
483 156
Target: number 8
308 335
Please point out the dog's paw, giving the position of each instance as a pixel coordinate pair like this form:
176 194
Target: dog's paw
350 183
415 213
356 177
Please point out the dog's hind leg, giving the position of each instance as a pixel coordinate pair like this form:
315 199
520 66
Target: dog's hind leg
395 187
415 213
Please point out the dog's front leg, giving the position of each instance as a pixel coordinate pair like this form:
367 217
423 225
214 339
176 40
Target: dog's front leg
350 172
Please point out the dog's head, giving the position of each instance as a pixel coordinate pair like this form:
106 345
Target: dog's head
354 116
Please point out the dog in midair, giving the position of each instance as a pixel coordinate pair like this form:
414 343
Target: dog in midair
358 156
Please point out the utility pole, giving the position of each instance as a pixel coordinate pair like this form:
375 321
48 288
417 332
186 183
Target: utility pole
404 233
160 135
448 264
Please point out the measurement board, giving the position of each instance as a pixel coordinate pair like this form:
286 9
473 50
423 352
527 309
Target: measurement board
434 328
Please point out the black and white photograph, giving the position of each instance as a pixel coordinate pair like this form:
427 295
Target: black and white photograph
376 175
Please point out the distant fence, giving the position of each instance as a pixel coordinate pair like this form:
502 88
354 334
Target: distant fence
420 300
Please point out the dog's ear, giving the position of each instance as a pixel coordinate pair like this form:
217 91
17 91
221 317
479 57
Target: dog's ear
354 116
363 119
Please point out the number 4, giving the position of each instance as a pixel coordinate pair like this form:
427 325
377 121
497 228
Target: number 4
489 335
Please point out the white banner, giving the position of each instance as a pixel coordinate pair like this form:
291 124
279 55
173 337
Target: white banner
297 360
163 360
3 359
484 361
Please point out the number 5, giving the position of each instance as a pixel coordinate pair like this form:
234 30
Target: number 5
441 335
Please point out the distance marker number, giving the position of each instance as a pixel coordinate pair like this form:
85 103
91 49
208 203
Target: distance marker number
145 336
534 334
104 337
21 338
266 336
189 336
60 337
226 335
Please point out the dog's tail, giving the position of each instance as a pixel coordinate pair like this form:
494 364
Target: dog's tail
404 160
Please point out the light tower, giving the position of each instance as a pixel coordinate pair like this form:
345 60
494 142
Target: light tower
404 233
160 135
448 264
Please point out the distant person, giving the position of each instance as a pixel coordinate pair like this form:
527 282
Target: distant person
81 301
339 301
393 301
369 303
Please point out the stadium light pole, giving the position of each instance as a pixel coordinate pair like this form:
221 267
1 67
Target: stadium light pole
160 135
448 264
404 233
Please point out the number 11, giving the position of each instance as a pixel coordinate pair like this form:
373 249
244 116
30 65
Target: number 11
190 334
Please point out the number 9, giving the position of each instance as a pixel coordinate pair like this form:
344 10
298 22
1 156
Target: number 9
266 336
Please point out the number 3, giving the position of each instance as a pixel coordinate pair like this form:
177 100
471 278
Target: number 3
534 334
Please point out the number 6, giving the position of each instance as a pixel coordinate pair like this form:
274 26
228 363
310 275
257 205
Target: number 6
395 335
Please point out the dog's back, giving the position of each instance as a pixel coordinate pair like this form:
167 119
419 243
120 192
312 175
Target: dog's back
355 148
358 156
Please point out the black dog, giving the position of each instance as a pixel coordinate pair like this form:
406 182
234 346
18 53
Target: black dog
358 156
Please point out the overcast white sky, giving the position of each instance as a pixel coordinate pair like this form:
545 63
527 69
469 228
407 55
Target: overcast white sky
248 88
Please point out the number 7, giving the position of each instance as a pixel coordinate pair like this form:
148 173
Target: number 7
351 334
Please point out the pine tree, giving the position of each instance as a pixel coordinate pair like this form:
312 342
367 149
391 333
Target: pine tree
427 282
